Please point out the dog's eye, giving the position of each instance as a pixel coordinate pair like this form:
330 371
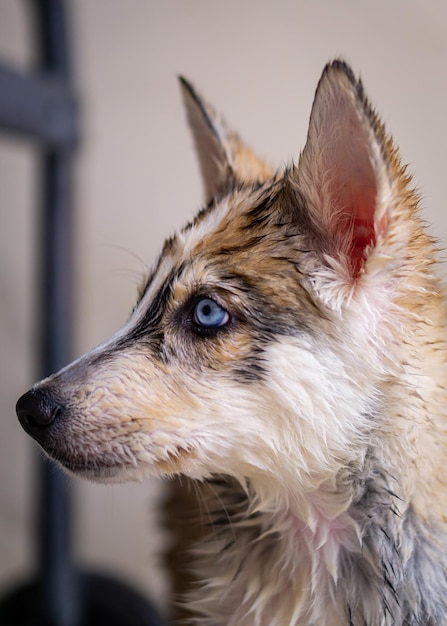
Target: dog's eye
209 314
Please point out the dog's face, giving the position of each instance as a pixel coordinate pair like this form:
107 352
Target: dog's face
256 345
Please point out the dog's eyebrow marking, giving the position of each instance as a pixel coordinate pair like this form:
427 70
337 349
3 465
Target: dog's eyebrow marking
149 323
168 246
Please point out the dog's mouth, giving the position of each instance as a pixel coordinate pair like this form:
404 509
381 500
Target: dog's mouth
98 470
175 460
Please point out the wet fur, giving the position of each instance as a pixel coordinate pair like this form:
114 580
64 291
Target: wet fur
310 430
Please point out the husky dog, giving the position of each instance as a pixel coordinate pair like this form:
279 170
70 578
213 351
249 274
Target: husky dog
287 355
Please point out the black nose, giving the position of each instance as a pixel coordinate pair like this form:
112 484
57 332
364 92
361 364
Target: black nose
37 410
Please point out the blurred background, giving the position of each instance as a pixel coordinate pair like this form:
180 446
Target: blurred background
136 180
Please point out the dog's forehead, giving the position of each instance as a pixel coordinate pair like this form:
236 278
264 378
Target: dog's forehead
183 247
240 218
227 229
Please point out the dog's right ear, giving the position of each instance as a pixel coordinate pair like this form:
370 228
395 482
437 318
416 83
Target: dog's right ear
357 193
224 158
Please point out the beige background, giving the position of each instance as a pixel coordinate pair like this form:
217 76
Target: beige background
137 179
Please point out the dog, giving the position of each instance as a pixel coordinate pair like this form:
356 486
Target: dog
287 358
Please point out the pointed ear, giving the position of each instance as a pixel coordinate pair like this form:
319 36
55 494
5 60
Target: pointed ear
210 133
223 157
344 170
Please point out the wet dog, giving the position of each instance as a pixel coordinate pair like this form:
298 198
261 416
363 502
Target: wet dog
287 355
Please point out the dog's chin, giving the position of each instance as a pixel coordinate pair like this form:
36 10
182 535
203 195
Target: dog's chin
104 475
96 471
113 469
104 471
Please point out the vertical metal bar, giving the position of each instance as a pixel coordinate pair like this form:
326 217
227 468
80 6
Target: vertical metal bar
58 577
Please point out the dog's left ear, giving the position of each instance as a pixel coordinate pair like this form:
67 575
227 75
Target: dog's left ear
349 172
224 158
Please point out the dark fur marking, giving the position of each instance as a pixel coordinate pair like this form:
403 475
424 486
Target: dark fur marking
262 317
167 248
149 327
400 579
281 205
252 368
351 623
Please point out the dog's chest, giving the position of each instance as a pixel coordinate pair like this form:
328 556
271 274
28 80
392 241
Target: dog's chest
265 573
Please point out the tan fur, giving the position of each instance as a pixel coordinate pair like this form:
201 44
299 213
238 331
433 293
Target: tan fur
309 425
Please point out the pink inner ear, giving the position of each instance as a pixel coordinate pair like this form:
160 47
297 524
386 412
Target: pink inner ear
360 209
353 203
354 191
363 236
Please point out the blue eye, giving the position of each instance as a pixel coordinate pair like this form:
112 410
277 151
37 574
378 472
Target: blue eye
209 314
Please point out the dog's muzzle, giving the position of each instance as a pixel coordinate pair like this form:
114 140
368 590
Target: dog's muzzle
37 411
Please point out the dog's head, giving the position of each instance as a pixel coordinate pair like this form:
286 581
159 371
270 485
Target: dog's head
260 340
